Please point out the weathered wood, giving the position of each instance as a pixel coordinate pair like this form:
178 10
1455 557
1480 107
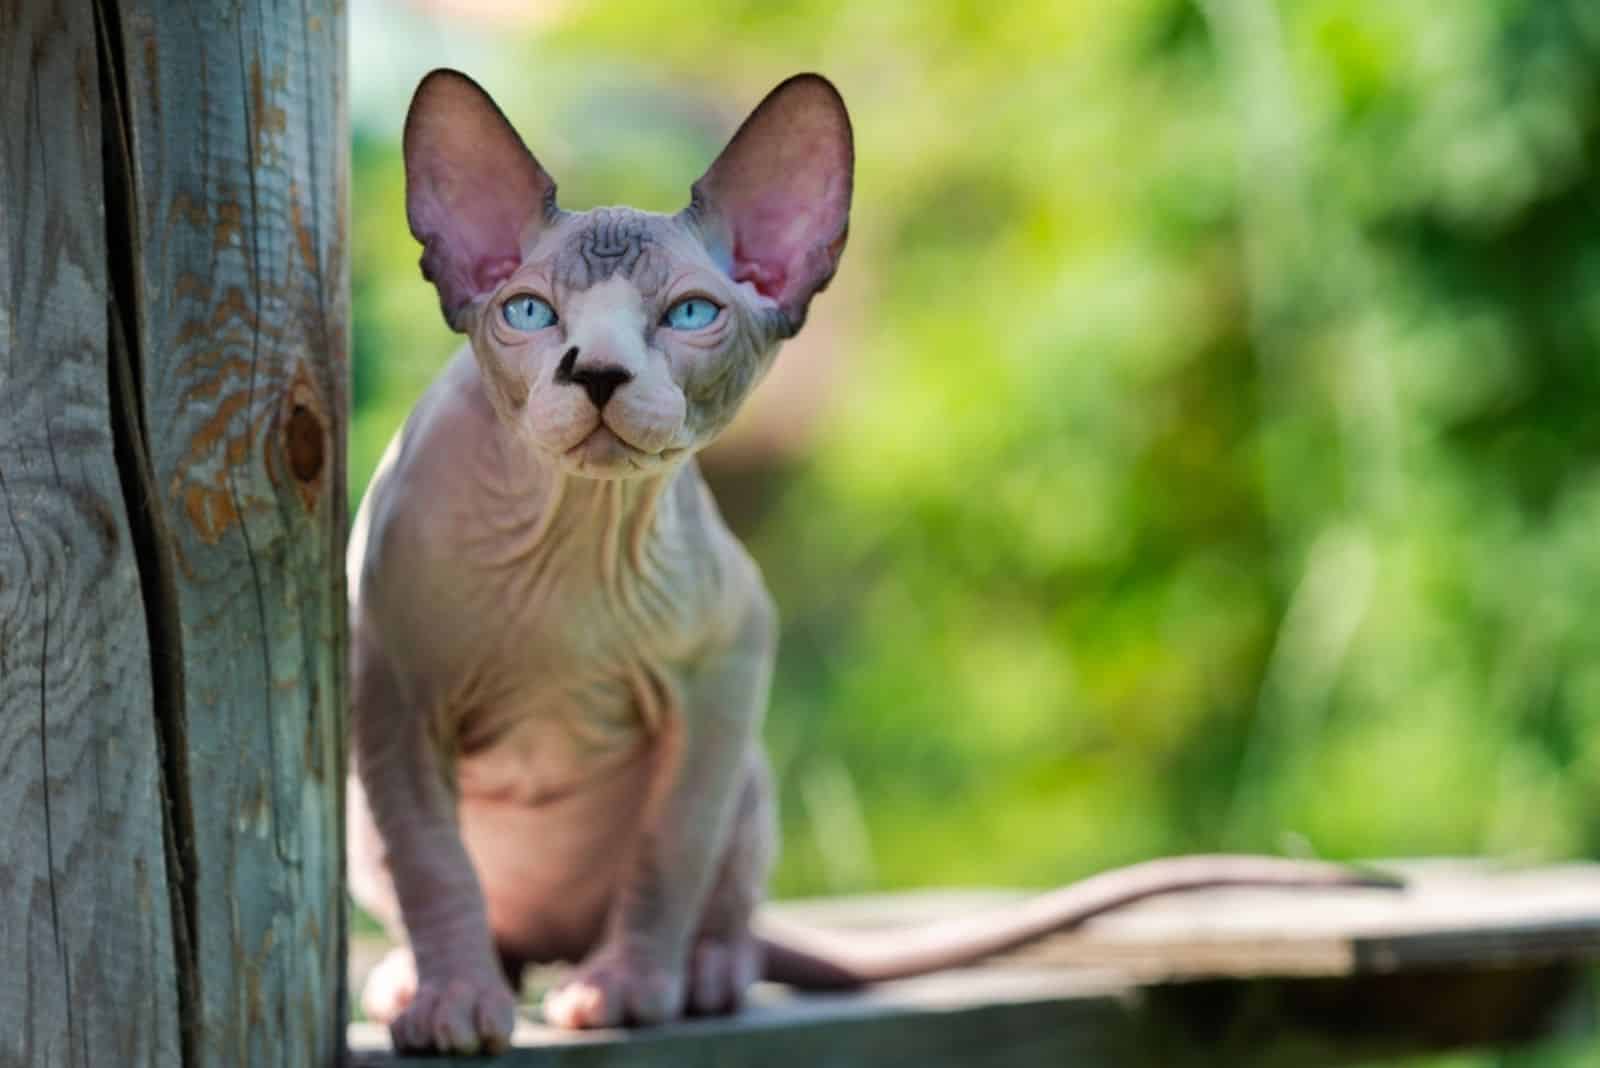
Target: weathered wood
238 140
1043 1019
173 321
983 1022
1454 913
85 916
1230 977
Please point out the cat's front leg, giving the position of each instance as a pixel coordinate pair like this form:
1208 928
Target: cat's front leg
637 974
457 1000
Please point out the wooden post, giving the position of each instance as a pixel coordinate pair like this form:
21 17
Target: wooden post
173 387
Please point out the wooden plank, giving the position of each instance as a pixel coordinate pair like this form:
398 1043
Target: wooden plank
1301 1022
240 153
982 1022
85 913
1035 1018
1465 956
1452 913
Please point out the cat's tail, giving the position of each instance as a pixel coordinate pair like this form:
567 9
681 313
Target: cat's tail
818 960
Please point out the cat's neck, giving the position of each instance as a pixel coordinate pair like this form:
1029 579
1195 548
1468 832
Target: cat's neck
555 505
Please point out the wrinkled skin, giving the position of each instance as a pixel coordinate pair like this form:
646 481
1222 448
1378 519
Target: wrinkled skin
560 654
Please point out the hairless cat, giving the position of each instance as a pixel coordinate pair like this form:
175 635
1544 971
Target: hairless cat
560 654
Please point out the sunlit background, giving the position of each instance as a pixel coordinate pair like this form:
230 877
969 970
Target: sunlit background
1197 448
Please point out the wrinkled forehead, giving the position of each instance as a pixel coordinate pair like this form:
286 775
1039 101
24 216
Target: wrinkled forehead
596 246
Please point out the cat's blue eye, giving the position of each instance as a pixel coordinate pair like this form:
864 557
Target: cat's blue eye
691 313
527 312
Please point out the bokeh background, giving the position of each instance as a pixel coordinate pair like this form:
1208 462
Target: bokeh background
1198 447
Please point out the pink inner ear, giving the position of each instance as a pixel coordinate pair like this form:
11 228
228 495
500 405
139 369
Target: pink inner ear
768 236
470 233
472 189
780 193
786 237
494 270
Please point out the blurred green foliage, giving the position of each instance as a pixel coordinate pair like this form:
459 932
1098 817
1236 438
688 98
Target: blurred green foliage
1213 462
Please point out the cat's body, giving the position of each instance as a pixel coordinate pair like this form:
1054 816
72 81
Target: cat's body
560 656
552 648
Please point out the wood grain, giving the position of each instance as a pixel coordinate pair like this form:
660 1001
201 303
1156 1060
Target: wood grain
85 919
240 149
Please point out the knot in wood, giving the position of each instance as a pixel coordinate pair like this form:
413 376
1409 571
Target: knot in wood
303 435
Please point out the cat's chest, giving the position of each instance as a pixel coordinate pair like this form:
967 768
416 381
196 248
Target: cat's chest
578 671
537 740
535 610
545 622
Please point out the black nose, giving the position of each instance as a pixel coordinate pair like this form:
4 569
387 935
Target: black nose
599 382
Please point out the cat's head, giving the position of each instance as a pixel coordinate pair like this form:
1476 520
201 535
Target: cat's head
618 341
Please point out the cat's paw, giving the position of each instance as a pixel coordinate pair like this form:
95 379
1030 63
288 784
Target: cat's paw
720 971
615 987
458 1014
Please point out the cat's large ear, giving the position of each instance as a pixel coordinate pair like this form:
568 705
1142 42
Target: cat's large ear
475 196
775 206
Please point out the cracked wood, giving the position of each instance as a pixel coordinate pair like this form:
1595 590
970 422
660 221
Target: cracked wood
239 140
85 923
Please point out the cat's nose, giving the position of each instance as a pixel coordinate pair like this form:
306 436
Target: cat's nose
600 382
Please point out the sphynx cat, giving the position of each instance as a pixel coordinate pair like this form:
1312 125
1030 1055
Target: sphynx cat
560 654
